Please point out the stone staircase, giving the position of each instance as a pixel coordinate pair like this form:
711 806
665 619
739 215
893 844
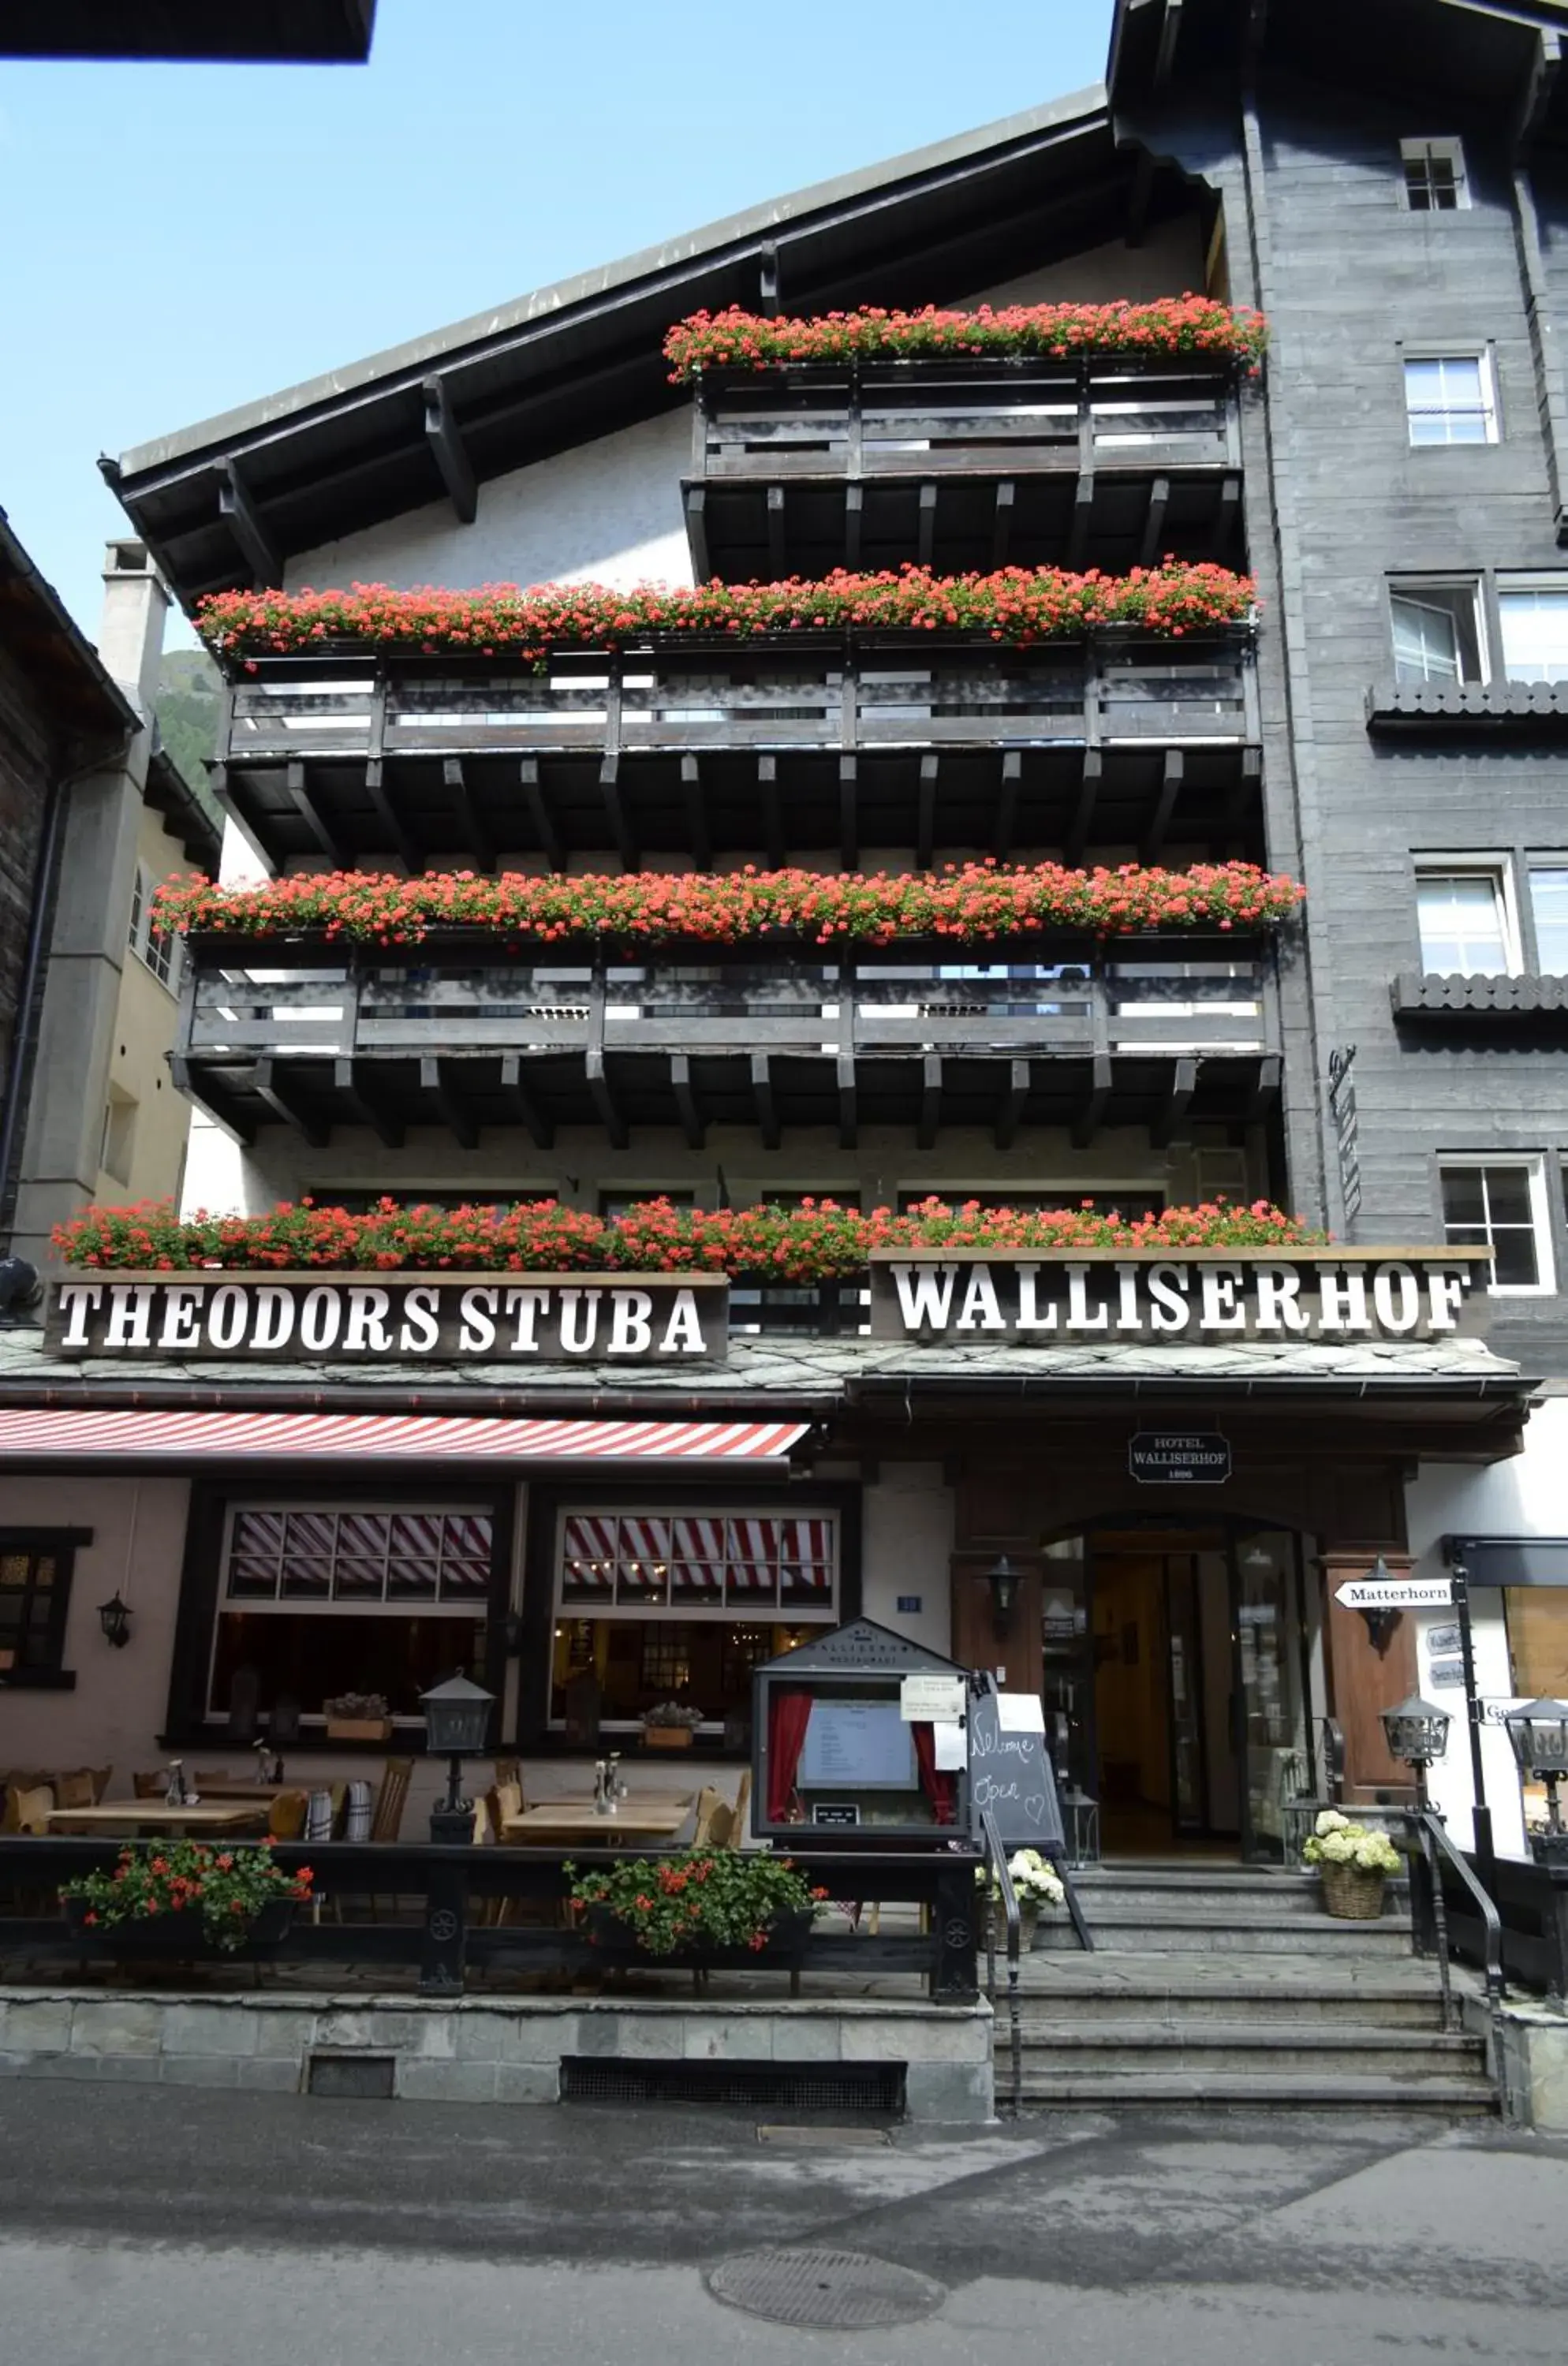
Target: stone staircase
1229 1987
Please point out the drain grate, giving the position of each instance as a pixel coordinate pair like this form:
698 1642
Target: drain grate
804 2136
748 2086
846 2291
353 2077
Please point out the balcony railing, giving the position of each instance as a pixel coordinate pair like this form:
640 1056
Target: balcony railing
1147 1036
962 464
682 749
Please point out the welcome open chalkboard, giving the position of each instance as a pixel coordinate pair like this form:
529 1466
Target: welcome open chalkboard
1011 1774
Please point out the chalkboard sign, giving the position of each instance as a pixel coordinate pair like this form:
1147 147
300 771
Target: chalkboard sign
1009 1773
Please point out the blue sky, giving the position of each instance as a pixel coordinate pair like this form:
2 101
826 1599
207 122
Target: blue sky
197 236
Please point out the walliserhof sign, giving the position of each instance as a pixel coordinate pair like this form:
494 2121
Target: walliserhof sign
545 1318
1208 1296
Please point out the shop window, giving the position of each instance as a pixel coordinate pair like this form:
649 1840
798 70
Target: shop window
1549 906
35 1594
1534 616
319 1599
1448 399
1465 924
1437 632
1435 178
1500 1204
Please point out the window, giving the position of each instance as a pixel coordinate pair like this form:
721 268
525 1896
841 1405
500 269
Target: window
1549 904
356 1201
159 953
1437 632
681 1604
1124 1199
1434 179
1464 923
1451 399
621 1203
117 1149
1535 628
319 1599
1500 1204
35 1592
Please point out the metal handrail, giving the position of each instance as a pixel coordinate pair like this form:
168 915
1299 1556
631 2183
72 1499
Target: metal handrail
1434 1838
996 1857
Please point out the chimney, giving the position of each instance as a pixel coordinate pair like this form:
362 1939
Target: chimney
130 635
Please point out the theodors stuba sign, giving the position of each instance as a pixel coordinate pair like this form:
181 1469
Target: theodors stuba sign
541 1318
1208 1297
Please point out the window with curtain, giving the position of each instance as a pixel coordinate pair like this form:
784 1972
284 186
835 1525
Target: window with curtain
1534 618
1448 399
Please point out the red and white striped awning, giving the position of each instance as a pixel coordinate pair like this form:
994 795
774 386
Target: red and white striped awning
49 1434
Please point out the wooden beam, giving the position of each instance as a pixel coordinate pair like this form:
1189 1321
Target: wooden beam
525 1109
200 1088
777 560
238 511
604 1101
925 823
391 819
767 278
1165 805
353 1084
460 1121
773 811
854 517
762 1097
697 832
1001 521
1083 813
1535 97
1227 512
1149 550
1140 190
445 439
302 798
1170 34
930 1121
1083 512
278 1092
1088 1122
697 534
848 811
1244 803
1007 806
1265 1091
692 1121
849 1114
476 836
1178 1101
539 814
615 813
925 532
1011 1114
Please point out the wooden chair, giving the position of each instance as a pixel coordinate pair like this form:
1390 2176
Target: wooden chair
151 1787
286 1816
710 1806
387 1821
742 1811
205 1775
75 1790
510 1771
29 1810
100 1779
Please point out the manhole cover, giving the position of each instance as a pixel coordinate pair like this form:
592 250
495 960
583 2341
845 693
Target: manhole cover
841 2289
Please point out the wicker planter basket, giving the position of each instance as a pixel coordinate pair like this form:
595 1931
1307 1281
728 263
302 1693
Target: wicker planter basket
666 1737
1351 1894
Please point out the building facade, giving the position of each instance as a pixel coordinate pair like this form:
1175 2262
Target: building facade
1219 1424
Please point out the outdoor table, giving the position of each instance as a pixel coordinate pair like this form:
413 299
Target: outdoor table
574 1821
157 1815
241 1787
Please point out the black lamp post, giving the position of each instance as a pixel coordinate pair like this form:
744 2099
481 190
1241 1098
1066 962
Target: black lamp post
1539 1732
1417 1733
1003 1579
114 1618
456 1726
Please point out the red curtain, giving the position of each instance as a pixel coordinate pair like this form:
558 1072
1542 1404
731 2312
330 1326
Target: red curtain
941 1789
789 1714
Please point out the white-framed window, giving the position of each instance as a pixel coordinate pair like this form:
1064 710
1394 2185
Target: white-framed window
316 1599
1437 633
1434 179
1499 1202
1549 907
1450 399
1533 610
1465 919
159 953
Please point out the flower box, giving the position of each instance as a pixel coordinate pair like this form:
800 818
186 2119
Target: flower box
615 1942
359 1729
179 1938
668 1737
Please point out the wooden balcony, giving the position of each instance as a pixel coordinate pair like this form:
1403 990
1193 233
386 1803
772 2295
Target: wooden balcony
1127 743
962 464
1157 1034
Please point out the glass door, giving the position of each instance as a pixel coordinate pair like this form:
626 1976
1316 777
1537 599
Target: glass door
1271 1732
1184 1648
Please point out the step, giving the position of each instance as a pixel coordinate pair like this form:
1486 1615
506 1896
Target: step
1272 2050
1160 1891
1291 2007
1134 1930
1308 2091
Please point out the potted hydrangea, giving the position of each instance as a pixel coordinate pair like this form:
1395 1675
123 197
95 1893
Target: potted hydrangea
1035 1883
1354 1862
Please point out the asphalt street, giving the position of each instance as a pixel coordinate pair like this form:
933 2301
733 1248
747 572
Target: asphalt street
156 2228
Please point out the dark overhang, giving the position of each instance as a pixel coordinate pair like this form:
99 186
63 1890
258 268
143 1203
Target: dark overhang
60 663
230 501
1509 1560
233 32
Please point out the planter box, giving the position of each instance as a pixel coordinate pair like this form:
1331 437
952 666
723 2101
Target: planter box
359 1729
177 1938
614 1942
666 1737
